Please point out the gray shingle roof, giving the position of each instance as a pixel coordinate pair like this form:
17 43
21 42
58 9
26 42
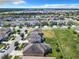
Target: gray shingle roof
37 49
35 37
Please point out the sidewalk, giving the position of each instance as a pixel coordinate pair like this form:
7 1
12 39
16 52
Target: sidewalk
34 57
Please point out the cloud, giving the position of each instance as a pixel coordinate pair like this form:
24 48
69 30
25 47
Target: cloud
40 6
12 1
19 2
61 6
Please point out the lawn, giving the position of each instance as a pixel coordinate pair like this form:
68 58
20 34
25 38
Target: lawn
2 45
21 46
16 57
64 43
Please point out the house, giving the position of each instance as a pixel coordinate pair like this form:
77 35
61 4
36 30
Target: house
36 36
32 22
37 49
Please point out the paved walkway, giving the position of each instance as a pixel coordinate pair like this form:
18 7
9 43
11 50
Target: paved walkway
34 57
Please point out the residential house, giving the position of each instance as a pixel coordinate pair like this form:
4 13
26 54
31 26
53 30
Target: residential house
36 36
37 49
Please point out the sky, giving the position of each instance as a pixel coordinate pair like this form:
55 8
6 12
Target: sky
39 3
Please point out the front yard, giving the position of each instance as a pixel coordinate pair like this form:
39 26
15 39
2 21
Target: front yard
2 45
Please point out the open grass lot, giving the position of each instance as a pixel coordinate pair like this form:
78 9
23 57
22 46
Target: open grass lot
50 39
65 43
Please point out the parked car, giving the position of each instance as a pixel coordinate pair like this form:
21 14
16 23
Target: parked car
2 50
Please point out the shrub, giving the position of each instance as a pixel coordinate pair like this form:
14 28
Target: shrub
16 44
61 57
74 32
58 49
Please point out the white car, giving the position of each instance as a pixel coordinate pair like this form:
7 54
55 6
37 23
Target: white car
2 50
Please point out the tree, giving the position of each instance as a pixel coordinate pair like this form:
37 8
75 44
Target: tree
78 35
20 26
26 31
61 57
16 44
52 23
36 24
44 23
18 31
58 49
70 23
22 35
17 47
74 32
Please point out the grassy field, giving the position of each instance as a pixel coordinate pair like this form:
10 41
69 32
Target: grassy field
64 43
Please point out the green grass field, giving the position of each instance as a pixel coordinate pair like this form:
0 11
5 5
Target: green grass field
64 43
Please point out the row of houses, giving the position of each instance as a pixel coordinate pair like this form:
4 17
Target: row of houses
36 45
4 33
44 11
35 22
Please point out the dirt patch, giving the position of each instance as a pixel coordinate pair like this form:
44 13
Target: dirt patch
48 33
